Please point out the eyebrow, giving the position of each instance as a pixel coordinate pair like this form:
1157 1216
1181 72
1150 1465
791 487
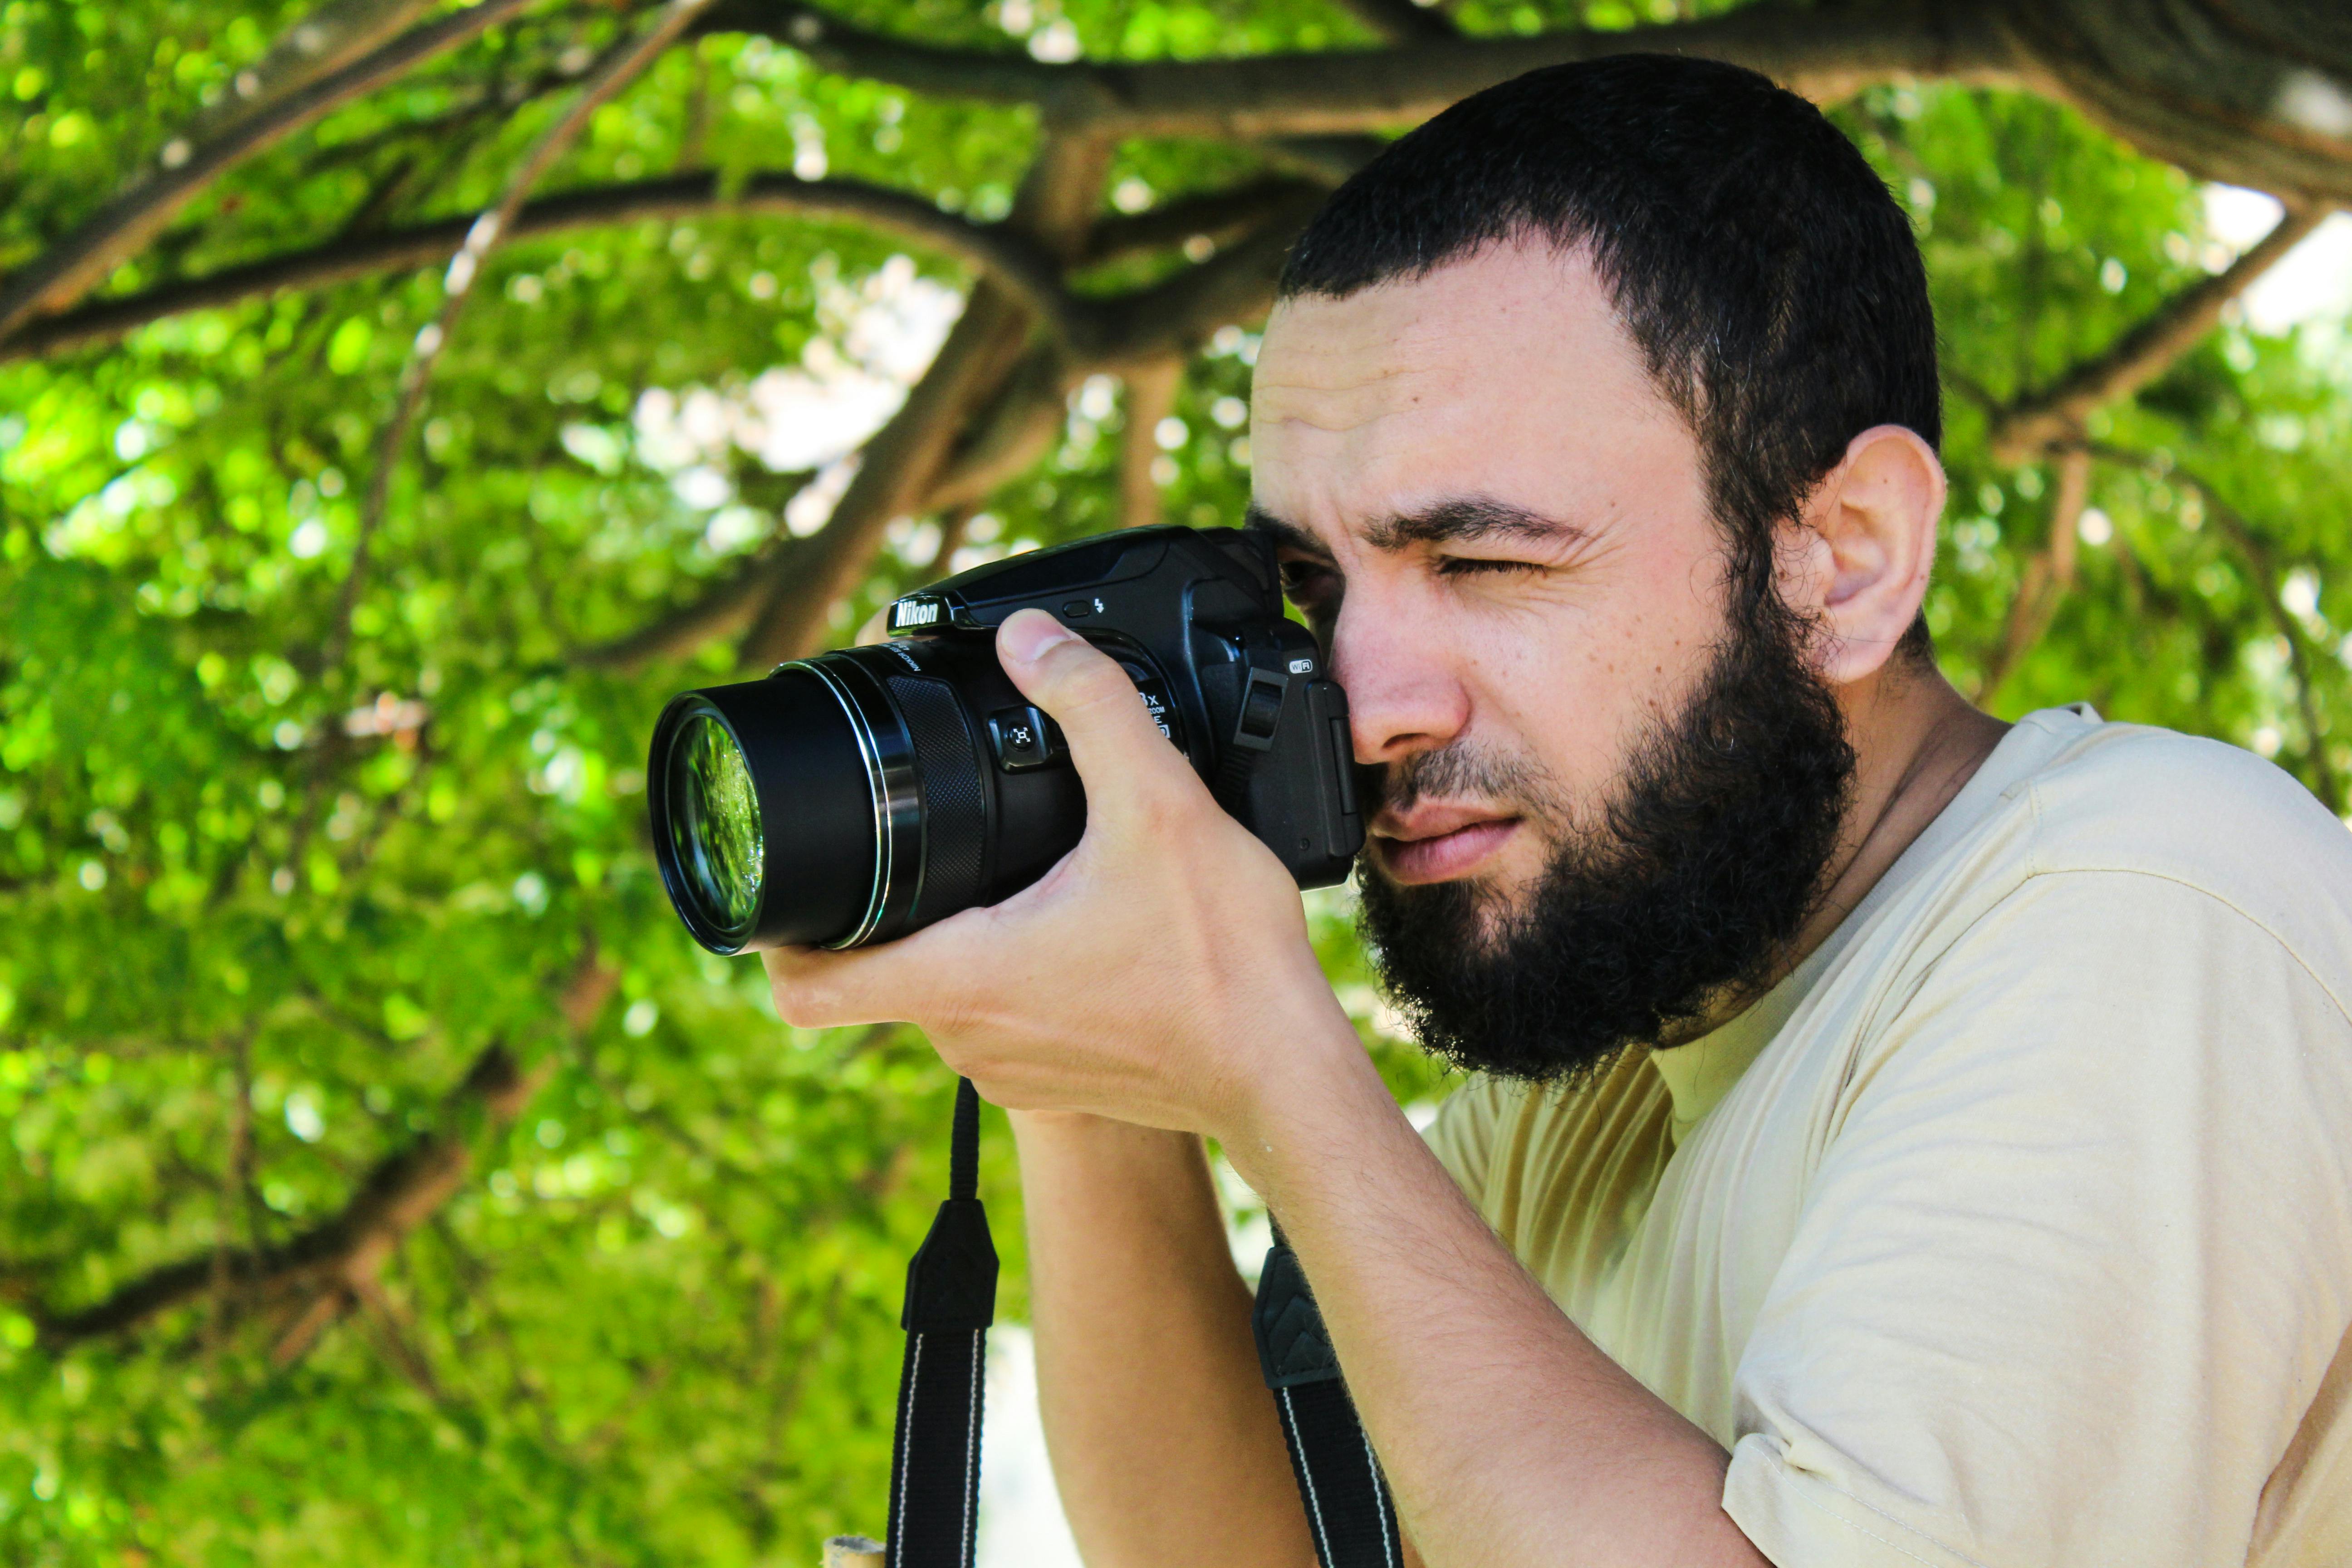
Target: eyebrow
1454 520
1286 535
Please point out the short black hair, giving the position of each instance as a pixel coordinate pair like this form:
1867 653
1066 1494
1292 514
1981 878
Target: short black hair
1768 275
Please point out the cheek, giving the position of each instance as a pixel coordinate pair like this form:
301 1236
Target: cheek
1576 693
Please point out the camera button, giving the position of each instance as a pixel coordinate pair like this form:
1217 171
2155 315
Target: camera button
1079 609
1022 739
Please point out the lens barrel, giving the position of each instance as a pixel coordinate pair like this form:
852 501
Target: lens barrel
763 801
853 797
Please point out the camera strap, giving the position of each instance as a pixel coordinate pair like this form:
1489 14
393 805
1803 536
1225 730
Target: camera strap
950 1303
1349 1509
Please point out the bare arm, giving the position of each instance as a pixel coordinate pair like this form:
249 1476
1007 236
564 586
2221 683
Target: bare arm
1162 976
1507 1435
1164 1440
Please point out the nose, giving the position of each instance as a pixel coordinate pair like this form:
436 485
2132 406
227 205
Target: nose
1406 694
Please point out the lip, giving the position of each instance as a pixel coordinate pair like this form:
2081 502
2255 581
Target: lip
1438 843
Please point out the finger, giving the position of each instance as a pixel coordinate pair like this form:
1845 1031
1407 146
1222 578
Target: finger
817 989
1113 737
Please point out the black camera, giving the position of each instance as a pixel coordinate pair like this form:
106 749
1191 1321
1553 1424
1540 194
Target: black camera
868 792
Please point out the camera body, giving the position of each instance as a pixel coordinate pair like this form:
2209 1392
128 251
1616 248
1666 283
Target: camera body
896 783
1196 618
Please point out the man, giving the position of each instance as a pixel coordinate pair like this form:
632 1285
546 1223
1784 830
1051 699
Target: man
1893 1138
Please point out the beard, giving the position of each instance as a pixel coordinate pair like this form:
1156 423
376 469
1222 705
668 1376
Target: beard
1702 867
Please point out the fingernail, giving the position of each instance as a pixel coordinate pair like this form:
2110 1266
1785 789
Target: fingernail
1026 636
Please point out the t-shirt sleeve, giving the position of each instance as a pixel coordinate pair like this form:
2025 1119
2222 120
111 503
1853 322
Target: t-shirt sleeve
2074 1259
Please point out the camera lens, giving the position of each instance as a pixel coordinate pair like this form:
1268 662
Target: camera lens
764 814
715 821
852 797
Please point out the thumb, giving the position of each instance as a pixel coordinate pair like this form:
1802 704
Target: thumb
1113 737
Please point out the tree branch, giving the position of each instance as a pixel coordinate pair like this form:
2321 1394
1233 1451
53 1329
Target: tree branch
1219 216
1824 53
893 478
621 65
1403 22
1175 316
1057 205
723 608
400 1192
1150 398
2048 575
1024 405
1015 431
1018 424
2054 417
399 1347
329 38
2252 102
78 263
1326 160
994 248
2249 95
2263 566
340 1257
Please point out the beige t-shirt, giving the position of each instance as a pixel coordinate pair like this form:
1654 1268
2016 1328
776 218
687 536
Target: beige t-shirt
2014 1229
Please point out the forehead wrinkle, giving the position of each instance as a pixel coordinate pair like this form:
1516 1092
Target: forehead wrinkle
1350 417
1341 388
1348 408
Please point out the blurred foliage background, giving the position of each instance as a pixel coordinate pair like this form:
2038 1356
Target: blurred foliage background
388 1178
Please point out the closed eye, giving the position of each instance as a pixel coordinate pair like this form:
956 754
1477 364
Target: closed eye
1479 565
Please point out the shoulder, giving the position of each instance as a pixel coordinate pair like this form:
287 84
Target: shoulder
2209 816
2126 880
1491 1131
1463 1133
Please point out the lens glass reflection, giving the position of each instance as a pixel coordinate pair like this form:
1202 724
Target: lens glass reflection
715 821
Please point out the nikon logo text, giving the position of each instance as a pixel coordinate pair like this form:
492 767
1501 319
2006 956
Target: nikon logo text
912 612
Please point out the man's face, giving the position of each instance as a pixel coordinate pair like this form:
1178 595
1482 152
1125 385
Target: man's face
1516 546
1503 532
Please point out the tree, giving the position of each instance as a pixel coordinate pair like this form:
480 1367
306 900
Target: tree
390 1179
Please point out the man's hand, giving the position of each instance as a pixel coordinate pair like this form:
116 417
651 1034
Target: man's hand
1160 974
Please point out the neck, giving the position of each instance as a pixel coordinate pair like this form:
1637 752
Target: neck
1917 742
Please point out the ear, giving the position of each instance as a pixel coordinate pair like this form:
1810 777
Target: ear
1865 544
